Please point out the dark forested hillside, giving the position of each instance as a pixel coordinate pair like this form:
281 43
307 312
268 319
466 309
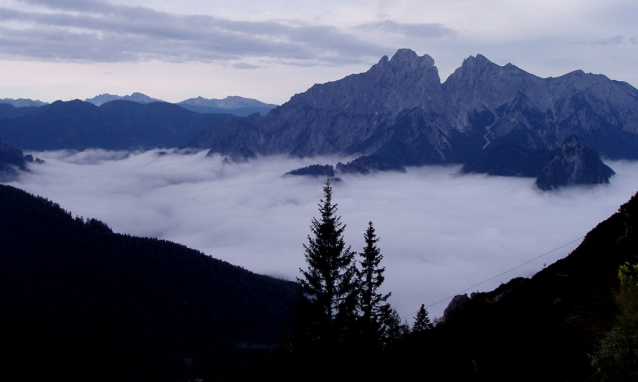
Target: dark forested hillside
116 125
543 328
79 302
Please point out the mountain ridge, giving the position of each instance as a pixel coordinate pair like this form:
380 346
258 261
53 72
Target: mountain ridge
398 113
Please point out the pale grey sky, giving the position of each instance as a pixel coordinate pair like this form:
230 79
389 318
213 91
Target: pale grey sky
270 50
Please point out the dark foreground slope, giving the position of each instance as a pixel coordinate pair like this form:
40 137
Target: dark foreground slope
79 302
543 328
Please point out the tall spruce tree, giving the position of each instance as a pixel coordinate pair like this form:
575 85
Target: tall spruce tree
328 304
374 310
422 321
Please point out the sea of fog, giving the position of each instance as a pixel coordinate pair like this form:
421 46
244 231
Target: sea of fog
440 232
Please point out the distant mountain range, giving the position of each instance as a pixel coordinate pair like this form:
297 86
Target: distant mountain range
116 125
493 119
399 114
101 99
21 102
233 105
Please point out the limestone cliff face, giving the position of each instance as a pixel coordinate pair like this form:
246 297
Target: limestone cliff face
352 115
543 112
399 114
574 163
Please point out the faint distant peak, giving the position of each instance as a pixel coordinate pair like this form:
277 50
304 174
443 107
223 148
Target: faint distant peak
230 103
134 97
22 102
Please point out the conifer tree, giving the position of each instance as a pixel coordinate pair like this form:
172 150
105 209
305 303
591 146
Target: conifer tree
422 321
329 299
394 328
372 304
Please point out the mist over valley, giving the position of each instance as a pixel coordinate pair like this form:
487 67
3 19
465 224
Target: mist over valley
441 232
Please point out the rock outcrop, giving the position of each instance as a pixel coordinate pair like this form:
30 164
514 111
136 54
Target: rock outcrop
573 164
12 161
316 170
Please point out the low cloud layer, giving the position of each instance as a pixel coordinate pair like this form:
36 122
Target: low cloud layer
440 232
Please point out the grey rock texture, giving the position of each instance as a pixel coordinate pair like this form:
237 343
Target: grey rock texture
399 114
574 163
455 304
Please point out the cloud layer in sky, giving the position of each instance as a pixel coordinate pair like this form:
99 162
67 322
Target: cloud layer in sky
177 50
440 232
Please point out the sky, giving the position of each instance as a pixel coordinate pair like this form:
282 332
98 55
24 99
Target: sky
441 233
271 50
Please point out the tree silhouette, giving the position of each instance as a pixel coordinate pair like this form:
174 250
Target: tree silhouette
422 321
372 304
328 304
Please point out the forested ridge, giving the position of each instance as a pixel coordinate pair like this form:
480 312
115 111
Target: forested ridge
80 302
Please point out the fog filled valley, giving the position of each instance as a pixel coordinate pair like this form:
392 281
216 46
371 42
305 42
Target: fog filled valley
440 232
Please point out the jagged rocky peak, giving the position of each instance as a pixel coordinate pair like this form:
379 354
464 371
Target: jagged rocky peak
408 59
405 81
455 304
574 163
476 61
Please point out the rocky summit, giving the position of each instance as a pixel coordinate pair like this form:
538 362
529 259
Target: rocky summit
399 114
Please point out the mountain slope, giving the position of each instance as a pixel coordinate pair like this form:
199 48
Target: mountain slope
78 299
116 125
399 114
545 327
234 105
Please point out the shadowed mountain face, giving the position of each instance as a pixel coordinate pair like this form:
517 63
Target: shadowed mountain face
11 160
574 163
399 114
